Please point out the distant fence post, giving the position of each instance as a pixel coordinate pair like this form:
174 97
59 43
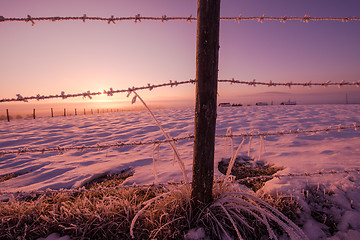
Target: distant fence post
64 112
207 54
52 112
75 112
34 113
7 115
84 111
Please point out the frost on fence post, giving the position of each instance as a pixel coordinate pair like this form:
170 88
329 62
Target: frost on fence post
207 52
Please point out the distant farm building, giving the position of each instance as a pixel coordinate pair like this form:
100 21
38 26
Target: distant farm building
224 105
288 103
261 104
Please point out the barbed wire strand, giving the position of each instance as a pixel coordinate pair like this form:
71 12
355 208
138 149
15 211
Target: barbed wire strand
313 174
99 147
89 94
60 149
339 127
290 84
164 18
166 185
111 91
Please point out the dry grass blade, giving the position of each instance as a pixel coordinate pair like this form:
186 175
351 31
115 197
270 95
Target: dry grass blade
231 219
172 144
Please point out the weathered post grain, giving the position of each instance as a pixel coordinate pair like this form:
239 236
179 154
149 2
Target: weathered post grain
207 55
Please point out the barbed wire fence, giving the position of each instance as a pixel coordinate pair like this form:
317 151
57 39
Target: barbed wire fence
111 91
254 83
100 147
164 18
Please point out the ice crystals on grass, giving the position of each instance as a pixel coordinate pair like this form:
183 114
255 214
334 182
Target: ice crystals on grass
156 149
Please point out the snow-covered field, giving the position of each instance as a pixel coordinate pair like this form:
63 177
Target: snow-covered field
296 153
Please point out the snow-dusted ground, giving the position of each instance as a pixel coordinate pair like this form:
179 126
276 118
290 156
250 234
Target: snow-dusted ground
297 154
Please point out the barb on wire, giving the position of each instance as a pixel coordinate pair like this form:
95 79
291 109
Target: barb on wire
90 94
59 149
318 173
164 18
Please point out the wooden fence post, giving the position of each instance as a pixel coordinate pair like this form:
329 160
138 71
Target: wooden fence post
7 115
34 113
52 112
64 112
75 112
207 55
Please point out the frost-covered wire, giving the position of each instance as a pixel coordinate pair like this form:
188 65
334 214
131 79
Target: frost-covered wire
89 94
290 83
164 18
59 149
339 127
111 91
305 174
99 147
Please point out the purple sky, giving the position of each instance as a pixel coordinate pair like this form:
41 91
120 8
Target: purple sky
75 57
